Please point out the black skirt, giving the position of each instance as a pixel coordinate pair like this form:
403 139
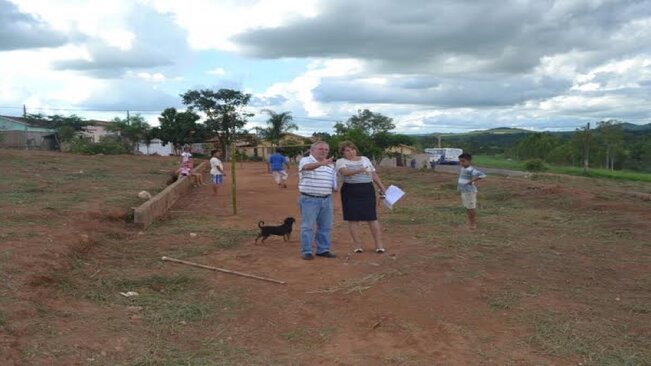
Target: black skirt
358 202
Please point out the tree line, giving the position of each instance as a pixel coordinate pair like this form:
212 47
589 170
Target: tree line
224 115
609 144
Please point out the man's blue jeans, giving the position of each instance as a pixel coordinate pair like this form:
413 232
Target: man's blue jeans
315 211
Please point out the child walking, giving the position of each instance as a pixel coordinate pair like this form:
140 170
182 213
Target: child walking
466 185
216 171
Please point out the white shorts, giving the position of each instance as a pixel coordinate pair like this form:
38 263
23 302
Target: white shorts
279 176
469 200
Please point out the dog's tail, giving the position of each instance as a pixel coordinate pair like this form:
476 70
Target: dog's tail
260 223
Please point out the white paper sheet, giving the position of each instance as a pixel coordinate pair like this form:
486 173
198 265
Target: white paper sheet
392 195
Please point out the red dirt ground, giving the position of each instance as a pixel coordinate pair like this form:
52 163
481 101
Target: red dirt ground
422 303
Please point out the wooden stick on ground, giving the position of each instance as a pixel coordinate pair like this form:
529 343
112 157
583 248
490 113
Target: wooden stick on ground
168 259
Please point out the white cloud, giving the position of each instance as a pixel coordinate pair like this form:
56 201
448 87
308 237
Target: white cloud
121 39
218 71
34 83
430 66
301 88
147 76
106 20
211 24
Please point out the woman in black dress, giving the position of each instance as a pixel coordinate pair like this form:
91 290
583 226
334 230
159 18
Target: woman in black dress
358 194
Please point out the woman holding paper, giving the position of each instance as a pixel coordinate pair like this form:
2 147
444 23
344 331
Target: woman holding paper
358 195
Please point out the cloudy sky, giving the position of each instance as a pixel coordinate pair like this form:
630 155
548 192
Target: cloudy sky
447 65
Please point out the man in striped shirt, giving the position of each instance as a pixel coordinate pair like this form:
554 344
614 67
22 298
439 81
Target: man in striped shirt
316 182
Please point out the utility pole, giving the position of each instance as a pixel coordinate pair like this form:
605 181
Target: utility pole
25 132
439 137
586 148
233 185
128 117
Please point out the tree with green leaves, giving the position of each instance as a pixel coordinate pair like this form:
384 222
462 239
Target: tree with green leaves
179 128
611 136
66 127
132 130
537 146
581 143
370 122
370 132
279 125
640 154
224 110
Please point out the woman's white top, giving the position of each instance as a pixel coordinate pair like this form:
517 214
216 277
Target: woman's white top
363 162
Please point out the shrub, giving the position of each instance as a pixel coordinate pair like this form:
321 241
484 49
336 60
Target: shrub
535 165
107 147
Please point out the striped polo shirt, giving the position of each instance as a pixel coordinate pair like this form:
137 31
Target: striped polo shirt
317 182
363 162
465 176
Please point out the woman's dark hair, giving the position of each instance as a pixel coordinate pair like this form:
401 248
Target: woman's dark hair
213 152
465 156
344 144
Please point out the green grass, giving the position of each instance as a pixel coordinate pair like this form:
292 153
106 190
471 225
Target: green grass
603 173
597 342
400 359
503 301
212 353
165 301
496 162
501 163
3 319
309 338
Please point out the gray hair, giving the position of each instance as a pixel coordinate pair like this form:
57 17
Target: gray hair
317 143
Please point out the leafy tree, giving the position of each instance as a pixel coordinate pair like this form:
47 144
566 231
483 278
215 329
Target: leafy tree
279 124
537 146
611 135
179 128
370 132
370 122
322 136
132 130
640 155
66 127
386 140
224 110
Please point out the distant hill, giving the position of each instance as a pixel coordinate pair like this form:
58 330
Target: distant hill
498 140
633 127
510 131
494 131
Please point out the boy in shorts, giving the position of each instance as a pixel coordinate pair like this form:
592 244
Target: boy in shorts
466 185
276 166
216 171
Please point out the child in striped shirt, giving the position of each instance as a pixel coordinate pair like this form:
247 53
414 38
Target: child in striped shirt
466 185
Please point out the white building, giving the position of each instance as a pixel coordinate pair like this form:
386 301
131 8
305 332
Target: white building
156 148
96 130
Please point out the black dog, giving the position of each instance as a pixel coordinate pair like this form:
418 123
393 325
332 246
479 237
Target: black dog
285 230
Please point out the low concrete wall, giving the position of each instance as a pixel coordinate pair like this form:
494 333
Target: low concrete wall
158 205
